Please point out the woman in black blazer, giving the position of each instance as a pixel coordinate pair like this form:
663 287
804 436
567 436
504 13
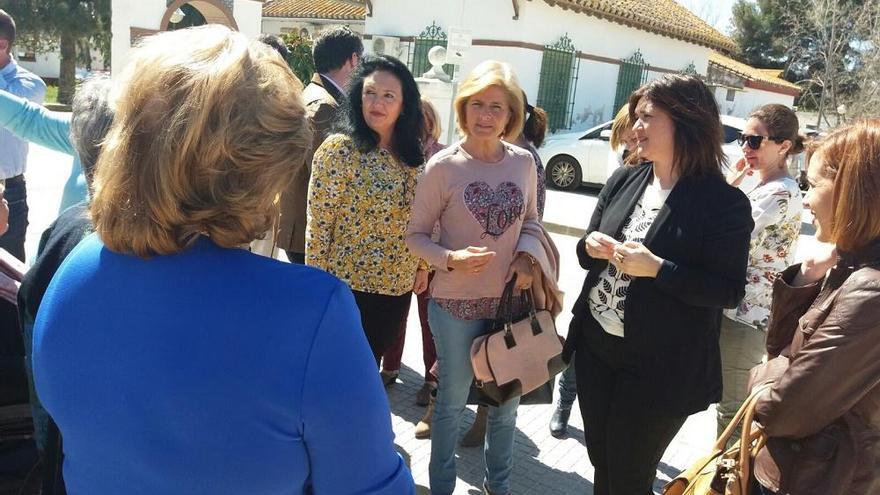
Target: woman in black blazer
666 250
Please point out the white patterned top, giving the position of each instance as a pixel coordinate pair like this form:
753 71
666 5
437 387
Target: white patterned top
776 210
608 296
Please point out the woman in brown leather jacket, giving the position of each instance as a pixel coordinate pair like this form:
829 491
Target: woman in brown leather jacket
822 413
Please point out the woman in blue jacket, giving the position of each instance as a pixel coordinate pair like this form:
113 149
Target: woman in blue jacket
173 360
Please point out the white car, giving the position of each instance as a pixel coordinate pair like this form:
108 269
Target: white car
585 157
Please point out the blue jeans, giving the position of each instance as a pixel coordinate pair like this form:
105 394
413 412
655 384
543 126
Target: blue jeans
567 387
453 338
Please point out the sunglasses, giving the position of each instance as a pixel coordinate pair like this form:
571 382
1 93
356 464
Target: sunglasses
756 141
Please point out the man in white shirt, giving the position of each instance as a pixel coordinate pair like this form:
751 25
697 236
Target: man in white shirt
14 151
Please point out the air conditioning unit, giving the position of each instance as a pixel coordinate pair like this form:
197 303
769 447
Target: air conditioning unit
386 45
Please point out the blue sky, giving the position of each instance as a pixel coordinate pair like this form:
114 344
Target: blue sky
715 12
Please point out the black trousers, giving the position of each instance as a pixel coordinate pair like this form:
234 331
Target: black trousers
296 258
625 435
381 317
16 195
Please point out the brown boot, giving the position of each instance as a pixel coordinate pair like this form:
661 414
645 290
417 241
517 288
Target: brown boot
423 429
476 436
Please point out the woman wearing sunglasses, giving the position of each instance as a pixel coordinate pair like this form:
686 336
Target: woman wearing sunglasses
768 139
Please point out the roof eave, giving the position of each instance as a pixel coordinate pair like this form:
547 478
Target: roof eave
567 5
334 18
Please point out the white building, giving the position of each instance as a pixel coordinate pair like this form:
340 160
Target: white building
309 17
578 59
133 19
48 64
740 88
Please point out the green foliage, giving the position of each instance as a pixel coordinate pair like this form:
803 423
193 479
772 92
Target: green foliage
826 46
71 25
51 94
757 31
300 59
49 19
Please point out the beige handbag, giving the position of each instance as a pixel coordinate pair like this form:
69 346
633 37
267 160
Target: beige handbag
725 471
520 355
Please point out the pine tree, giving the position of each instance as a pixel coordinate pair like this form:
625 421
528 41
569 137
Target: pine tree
71 25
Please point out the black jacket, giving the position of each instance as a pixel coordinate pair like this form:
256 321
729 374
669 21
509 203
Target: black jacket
672 322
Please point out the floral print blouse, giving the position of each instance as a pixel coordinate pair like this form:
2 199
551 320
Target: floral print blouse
776 210
359 207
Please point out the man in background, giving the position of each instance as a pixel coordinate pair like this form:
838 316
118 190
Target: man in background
336 54
14 151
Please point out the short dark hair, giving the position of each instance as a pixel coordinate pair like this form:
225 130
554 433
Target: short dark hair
277 44
694 112
334 46
410 126
7 27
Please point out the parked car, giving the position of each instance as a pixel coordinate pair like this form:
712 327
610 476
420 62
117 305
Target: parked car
585 157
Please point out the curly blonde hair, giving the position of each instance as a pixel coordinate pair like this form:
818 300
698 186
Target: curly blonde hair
209 128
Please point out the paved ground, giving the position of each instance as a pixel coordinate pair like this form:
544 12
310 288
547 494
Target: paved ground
542 464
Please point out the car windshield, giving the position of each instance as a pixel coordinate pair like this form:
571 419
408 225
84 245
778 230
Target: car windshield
596 131
730 134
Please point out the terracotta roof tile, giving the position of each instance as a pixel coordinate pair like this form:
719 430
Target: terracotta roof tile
664 17
315 9
765 76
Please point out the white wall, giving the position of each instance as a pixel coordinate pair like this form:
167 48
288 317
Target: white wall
541 24
249 16
147 14
748 100
126 15
48 65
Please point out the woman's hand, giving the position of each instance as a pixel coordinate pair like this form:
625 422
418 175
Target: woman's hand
522 268
739 172
634 259
600 246
421 282
816 265
470 259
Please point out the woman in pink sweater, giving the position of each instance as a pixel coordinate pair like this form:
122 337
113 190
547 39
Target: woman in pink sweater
482 192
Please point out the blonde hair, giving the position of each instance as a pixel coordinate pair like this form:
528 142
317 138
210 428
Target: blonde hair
487 74
622 123
430 113
209 128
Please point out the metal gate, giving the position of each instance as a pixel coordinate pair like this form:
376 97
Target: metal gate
558 85
430 37
633 73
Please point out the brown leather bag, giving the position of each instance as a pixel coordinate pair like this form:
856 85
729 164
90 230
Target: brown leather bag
520 355
725 471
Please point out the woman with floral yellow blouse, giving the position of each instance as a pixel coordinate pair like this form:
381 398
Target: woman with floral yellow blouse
361 193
